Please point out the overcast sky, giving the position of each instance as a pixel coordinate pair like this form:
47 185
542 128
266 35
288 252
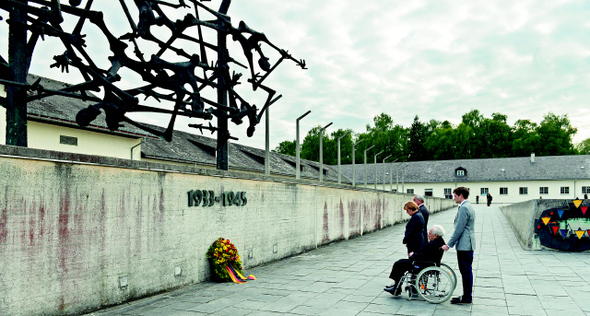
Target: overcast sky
434 59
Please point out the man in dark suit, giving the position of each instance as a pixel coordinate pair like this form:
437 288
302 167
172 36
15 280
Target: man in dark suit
419 199
463 239
430 251
413 237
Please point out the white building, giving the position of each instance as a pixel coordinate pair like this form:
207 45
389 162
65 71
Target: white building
51 125
508 180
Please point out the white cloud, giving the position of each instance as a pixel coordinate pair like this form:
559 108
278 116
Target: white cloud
435 59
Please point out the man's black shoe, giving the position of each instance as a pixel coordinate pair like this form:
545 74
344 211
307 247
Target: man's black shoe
459 300
393 291
391 286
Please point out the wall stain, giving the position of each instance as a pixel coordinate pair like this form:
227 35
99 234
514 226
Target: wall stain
22 225
366 215
384 207
32 224
378 213
353 218
326 228
42 212
162 184
102 233
64 174
4 218
138 229
341 215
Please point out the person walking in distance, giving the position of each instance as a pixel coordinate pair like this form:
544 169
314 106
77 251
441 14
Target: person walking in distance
489 199
419 200
463 239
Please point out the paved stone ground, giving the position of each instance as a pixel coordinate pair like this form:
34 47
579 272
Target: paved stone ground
347 278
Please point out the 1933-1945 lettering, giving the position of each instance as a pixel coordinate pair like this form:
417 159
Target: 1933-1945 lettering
208 198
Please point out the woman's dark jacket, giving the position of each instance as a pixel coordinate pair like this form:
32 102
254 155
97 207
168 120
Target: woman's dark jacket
414 238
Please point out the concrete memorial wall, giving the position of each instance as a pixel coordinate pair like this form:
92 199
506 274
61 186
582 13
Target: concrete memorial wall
79 232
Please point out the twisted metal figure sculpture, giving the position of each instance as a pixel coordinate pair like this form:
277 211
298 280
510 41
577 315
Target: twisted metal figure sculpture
162 79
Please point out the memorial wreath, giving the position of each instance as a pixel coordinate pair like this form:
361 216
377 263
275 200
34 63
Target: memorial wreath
226 263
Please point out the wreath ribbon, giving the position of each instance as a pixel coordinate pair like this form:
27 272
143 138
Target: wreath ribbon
236 276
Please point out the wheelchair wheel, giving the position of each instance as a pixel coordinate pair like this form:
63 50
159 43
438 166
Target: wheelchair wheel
435 285
450 271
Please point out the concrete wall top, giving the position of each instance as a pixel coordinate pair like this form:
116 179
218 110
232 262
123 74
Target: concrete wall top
49 155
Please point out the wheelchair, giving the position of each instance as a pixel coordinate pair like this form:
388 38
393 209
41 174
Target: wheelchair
431 281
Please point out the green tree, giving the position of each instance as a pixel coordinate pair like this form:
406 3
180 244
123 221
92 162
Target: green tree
584 147
472 119
310 148
286 148
475 137
525 139
496 138
447 142
364 142
345 146
431 127
483 137
440 143
382 122
556 134
472 128
383 135
416 138
389 138
463 145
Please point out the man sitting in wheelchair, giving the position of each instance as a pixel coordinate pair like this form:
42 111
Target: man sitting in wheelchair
428 254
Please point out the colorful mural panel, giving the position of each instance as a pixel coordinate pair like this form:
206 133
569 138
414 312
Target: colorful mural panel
565 228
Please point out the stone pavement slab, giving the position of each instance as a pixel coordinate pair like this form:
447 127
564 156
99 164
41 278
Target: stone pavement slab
347 278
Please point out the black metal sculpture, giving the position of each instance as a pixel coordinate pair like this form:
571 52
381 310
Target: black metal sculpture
174 82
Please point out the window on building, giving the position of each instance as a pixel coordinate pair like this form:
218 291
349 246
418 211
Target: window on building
543 190
585 189
68 140
448 193
523 190
484 191
460 172
427 192
411 191
564 190
503 191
